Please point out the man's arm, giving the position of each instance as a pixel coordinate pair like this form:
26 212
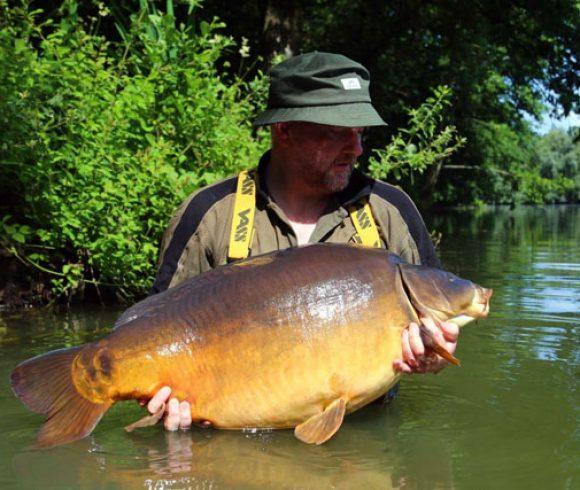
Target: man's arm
402 226
182 253
192 235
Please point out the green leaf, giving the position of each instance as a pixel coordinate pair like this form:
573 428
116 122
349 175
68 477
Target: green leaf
18 237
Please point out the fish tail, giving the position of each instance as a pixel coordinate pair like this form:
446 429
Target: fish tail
45 385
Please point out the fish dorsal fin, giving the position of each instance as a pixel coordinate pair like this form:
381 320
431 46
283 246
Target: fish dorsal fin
321 427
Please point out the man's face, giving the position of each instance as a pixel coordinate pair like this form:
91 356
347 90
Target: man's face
322 155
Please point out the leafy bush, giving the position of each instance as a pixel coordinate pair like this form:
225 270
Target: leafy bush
534 189
558 155
100 141
423 143
521 167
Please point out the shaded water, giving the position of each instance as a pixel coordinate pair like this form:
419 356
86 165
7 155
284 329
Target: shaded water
508 419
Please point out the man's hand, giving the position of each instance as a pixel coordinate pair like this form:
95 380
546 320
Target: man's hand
415 357
177 415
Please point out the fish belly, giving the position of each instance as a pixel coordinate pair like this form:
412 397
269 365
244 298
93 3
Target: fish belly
271 342
277 379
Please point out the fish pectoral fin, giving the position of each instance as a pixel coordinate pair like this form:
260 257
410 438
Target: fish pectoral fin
445 354
431 342
321 427
146 421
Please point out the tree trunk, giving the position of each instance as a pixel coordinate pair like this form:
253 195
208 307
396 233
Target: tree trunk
430 182
281 34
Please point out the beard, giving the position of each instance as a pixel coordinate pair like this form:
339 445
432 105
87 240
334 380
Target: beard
327 177
336 180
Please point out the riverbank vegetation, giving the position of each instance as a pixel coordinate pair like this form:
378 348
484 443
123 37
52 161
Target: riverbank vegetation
111 113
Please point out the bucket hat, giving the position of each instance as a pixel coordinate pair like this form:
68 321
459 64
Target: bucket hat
323 88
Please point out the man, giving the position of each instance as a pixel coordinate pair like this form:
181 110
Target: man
304 191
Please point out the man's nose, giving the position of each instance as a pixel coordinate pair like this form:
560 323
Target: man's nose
355 142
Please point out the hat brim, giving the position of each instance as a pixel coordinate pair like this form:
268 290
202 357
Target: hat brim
360 114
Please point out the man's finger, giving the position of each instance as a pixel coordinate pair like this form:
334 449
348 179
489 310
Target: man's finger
159 399
434 363
403 367
415 340
450 331
408 356
172 418
435 330
184 415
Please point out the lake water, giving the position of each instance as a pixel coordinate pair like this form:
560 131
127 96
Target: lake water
509 418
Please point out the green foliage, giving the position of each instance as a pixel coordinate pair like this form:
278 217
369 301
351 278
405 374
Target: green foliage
558 168
421 144
503 150
100 141
502 59
501 62
559 154
112 112
521 167
535 189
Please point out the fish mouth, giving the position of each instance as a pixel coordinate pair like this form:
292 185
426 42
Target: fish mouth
461 320
484 295
479 308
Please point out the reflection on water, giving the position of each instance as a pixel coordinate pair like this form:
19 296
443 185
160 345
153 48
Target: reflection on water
366 452
508 419
213 459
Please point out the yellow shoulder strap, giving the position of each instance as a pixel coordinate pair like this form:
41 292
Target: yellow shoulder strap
243 218
364 223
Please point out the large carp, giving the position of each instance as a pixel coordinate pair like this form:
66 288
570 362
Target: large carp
295 338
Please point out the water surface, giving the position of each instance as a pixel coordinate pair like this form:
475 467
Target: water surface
509 418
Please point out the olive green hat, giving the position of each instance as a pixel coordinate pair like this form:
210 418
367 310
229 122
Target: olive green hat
323 88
